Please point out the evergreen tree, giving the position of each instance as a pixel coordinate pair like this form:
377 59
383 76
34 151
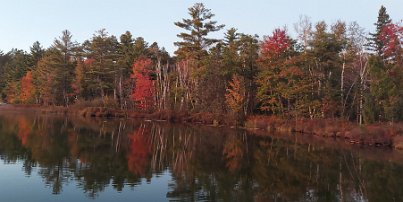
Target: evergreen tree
127 56
66 47
230 53
102 50
46 78
248 56
36 52
325 65
140 47
16 63
195 42
126 50
194 57
375 44
385 68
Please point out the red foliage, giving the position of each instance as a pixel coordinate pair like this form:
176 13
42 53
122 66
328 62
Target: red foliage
143 92
140 151
89 61
26 87
392 38
276 44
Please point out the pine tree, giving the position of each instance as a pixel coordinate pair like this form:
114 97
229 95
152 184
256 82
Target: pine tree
37 52
46 78
103 51
385 67
193 57
248 56
231 59
195 42
325 64
126 50
375 44
65 74
139 47
16 63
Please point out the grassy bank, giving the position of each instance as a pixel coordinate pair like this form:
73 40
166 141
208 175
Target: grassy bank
165 115
378 135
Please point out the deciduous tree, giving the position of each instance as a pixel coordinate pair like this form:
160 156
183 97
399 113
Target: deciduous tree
236 97
143 91
27 88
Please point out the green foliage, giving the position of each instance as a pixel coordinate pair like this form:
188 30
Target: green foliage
102 50
195 42
375 44
13 66
385 91
327 72
47 78
37 53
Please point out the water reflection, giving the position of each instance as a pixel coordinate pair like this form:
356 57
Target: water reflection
204 164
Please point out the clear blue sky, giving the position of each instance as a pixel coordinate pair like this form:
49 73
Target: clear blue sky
23 22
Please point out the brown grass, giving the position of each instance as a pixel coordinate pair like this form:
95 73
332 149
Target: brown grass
381 135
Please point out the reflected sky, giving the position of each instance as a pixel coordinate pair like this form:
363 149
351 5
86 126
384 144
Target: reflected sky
16 186
55 158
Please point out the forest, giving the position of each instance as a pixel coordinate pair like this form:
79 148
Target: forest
334 70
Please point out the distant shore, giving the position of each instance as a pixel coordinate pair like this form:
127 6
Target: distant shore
386 135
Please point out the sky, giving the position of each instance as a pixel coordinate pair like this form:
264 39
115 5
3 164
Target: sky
22 22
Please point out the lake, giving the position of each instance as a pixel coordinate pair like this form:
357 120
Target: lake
57 158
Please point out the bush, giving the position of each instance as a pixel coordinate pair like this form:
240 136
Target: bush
98 102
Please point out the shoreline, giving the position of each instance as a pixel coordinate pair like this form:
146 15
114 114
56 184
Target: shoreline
385 135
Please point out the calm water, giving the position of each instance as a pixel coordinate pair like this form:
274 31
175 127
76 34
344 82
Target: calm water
51 158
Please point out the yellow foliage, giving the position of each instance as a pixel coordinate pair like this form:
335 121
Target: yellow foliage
235 96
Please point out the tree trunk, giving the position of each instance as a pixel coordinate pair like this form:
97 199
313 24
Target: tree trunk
342 85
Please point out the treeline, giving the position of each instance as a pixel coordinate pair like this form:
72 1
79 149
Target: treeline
328 71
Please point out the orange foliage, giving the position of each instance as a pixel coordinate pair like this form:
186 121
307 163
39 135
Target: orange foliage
140 151
235 96
24 130
26 87
233 151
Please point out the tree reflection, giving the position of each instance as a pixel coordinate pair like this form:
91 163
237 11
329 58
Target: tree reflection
140 152
24 130
234 152
204 163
